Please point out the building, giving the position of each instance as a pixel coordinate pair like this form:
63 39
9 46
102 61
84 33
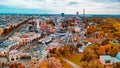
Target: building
25 38
39 53
8 43
108 60
4 51
61 33
77 14
116 58
46 40
14 56
62 14
81 49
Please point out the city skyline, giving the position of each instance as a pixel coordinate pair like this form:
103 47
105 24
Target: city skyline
59 6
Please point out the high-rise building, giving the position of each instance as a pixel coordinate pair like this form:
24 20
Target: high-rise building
77 13
62 14
83 13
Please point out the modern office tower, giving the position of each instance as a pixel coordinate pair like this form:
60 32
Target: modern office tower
77 13
62 14
83 14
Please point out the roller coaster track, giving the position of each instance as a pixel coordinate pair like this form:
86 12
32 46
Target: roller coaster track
15 29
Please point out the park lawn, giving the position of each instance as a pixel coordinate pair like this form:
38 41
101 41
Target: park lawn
75 58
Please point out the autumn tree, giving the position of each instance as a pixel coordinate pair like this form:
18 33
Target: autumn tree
60 50
92 64
114 50
68 49
117 65
89 54
79 45
57 52
54 63
31 64
14 65
105 42
21 66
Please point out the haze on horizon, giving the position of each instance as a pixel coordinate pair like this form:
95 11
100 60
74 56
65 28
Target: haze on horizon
59 6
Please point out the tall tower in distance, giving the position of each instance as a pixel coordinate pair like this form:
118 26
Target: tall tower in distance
83 14
62 14
77 13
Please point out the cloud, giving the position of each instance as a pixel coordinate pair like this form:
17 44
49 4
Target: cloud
112 1
66 6
73 2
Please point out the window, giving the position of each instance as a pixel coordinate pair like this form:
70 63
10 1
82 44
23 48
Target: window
4 52
17 58
107 61
37 59
12 59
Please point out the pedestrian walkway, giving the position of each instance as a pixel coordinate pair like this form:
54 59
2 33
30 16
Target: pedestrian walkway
71 63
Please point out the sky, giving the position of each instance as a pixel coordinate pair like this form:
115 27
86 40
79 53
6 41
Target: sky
60 6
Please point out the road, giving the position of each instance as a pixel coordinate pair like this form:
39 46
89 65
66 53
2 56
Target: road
71 63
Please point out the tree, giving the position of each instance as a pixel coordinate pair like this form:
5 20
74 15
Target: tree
54 63
79 45
92 64
68 49
43 64
61 50
117 65
21 66
89 54
96 49
31 64
58 53
105 42
114 50
14 65
54 50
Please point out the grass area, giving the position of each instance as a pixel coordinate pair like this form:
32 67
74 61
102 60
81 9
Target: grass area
75 58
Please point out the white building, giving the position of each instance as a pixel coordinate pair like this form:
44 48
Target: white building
14 56
4 51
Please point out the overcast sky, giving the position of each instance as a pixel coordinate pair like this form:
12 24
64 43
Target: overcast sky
59 6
